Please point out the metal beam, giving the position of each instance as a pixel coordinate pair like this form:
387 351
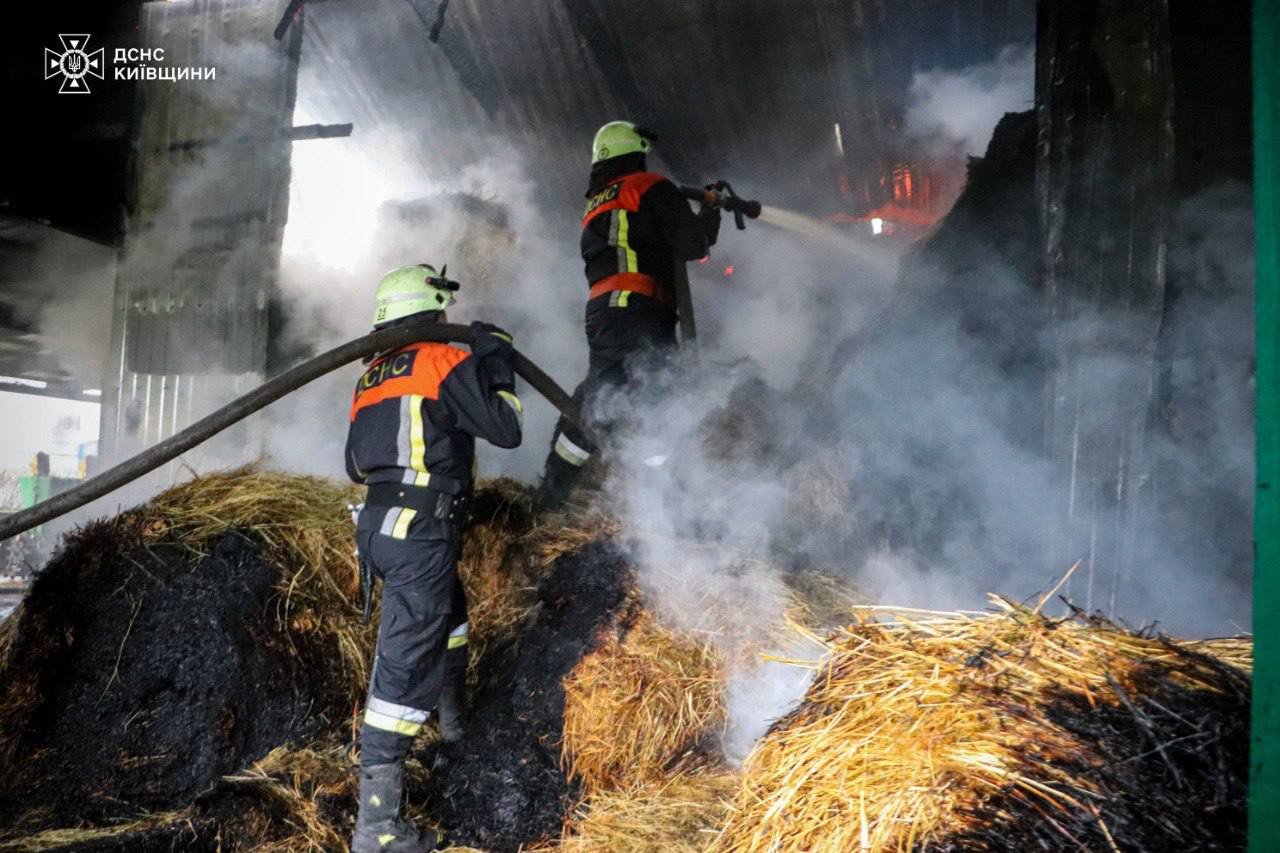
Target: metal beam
1264 758
319 131
296 133
291 11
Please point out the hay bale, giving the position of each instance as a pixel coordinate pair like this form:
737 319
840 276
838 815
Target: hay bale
500 578
679 814
1005 731
305 530
212 632
643 701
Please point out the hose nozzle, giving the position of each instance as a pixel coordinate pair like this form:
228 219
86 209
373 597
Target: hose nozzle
721 195
748 207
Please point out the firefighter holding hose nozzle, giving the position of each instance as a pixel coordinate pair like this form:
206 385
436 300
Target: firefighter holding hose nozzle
636 228
414 419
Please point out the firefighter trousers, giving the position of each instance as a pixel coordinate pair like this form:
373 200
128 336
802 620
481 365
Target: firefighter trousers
422 631
616 336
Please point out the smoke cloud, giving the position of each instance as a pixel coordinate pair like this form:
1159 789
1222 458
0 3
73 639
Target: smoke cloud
896 443
397 193
840 418
959 108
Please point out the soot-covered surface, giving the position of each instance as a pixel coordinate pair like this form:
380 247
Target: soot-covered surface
188 836
1174 765
502 786
138 677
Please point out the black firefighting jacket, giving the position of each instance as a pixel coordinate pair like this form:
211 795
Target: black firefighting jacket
417 412
635 226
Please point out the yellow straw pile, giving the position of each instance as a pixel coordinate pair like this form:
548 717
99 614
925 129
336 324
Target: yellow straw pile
911 725
638 704
674 815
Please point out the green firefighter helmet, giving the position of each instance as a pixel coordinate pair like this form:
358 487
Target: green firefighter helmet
620 137
406 291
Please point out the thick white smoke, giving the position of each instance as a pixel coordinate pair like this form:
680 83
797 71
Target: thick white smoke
390 195
951 108
835 418
888 443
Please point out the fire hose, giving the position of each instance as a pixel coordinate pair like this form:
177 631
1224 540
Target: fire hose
719 194
273 389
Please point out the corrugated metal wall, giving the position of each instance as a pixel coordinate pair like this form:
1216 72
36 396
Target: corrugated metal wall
210 195
747 87
744 89
1105 167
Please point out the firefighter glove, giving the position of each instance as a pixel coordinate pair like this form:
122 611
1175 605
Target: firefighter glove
488 339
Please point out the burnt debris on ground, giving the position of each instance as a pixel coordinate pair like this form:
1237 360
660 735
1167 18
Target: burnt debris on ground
139 676
503 786
188 675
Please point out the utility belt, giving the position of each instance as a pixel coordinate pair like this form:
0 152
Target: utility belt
446 499
635 282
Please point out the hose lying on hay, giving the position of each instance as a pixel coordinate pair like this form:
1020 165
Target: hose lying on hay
1006 731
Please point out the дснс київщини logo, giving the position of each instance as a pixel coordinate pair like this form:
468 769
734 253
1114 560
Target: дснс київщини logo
75 64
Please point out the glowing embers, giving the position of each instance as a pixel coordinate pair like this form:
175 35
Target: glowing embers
903 184
911 187
910 200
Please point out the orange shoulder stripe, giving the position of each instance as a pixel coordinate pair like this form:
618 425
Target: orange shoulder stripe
636 185
630 189
416 369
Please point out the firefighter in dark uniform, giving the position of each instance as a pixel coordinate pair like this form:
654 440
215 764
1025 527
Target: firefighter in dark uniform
637 226
415 416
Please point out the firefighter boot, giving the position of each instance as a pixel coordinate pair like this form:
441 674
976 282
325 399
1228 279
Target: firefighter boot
558 480
379 826
451 708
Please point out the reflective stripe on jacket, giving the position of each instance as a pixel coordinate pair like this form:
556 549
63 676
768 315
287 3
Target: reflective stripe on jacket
418 410
635 226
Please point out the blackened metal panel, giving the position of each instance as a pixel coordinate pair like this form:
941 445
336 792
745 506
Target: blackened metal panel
1104 103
